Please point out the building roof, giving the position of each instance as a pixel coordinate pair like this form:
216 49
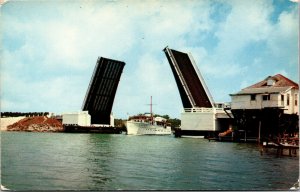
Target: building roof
280 81
279 84
266 90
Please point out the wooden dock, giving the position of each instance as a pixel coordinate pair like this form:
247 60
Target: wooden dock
233 139
223 139
283 147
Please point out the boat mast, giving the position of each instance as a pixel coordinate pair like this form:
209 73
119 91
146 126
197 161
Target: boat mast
151 109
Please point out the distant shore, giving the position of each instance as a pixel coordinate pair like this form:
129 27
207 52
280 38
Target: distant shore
31 124
6 121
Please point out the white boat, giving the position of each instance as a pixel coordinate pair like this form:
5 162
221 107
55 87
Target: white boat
146 124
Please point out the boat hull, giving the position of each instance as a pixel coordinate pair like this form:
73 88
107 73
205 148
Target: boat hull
144 128
91 129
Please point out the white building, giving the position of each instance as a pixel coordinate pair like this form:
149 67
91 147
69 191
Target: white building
205 119
81 118
272 92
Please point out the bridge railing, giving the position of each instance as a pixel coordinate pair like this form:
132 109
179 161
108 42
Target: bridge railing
198 110
204 110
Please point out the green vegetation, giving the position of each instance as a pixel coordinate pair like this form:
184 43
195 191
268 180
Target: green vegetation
174 121
120 123
27 114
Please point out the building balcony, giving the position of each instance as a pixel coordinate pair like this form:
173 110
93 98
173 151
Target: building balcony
257 104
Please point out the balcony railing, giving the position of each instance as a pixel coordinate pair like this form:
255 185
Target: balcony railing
257 104
271 103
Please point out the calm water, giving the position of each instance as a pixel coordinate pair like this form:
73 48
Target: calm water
59 161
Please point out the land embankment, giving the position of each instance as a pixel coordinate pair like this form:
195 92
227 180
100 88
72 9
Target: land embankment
6 121
33 124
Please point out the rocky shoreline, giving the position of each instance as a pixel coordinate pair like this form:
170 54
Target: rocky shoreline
36 124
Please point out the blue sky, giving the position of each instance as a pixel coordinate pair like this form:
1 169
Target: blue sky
49 49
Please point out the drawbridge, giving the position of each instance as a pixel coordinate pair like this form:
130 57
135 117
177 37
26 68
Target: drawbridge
102 90
201 115
192 88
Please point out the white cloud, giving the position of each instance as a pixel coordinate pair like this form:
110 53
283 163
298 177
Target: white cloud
246 22
283 41
151 77
60 50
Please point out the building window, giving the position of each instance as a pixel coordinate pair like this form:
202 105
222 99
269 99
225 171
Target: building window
282 97
266 97
288 99
270 82
253 97
296 99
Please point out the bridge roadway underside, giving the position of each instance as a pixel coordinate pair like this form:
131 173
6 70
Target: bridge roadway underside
102 90
182 67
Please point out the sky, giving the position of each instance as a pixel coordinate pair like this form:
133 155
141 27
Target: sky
49 49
